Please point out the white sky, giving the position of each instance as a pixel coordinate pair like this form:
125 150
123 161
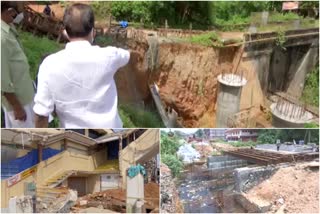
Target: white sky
187 131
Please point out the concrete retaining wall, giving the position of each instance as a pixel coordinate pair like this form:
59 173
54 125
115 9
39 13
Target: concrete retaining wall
283 69
246 177
225 162
251 206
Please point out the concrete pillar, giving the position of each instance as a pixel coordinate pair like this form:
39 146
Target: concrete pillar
230 86
135 194
289 115
40 147
86 132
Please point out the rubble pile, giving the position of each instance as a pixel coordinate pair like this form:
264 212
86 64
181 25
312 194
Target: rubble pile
292 189
222 146
59 199
204 148
170 202
115 199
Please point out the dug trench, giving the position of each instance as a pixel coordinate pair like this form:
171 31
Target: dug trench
186 76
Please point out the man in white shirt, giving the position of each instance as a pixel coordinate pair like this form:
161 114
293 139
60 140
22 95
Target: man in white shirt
77 82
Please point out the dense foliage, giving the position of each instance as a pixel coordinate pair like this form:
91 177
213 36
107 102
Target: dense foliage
169 148
311 88
271 135
200 13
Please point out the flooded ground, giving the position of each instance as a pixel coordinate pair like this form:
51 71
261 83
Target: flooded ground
207 191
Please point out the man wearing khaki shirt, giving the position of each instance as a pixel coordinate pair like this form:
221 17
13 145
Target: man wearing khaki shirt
16 85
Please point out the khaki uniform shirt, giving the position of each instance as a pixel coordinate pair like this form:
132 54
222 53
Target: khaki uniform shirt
15 75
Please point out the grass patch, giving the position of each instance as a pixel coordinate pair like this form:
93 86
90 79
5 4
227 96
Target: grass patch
283 17
310 94
216 153
36 48
135 117
103 41
210 39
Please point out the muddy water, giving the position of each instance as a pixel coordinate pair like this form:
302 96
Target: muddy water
203 191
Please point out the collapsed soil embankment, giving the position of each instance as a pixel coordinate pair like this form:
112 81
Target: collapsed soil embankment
293 189
132 79
187 78
186 75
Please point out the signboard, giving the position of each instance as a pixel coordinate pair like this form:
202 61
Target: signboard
290 5
109 181
18 177
14 179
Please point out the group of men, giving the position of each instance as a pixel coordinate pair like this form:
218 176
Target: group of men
75 83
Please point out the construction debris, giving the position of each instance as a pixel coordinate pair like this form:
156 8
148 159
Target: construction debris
22 204
115 199
52 200
293 189
204 148
169 195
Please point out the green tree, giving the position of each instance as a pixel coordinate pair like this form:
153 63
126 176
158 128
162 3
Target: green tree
268 136
287 135
174 164
199 133
169 145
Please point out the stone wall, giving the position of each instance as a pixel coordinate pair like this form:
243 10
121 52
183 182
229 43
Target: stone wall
246 177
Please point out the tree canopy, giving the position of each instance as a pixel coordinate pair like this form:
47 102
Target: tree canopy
200 13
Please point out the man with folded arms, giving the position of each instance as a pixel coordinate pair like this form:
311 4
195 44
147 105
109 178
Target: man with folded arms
78 82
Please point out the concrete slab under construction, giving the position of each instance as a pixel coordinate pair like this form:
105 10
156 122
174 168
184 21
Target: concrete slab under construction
286 149
267 157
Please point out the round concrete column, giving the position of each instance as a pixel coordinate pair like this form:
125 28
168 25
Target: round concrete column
230 87
289 115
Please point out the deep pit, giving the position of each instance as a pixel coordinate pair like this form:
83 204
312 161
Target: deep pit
187 77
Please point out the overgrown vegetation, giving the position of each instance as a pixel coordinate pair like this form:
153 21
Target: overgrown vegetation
281 39
282 17
103 41
169 148
207 39
287 135
225 15
136 117
310 93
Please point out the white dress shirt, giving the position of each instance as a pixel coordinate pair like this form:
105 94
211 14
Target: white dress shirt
78 82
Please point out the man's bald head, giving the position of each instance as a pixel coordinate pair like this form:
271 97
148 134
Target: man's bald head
78 20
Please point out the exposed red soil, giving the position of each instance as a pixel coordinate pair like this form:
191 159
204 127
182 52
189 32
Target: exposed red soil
187 78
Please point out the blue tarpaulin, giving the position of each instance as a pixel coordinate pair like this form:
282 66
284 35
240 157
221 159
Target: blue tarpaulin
20 164
133 171
123 24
